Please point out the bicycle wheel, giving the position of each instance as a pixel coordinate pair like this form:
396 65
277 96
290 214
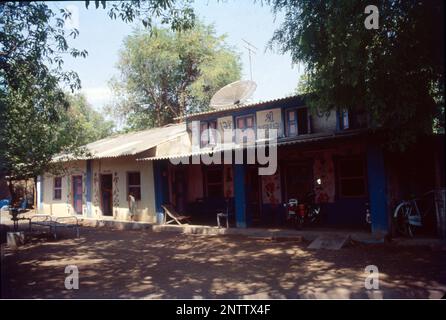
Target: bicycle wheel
401 219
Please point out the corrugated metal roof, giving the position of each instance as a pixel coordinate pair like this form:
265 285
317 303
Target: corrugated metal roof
130 143
282 142
236 107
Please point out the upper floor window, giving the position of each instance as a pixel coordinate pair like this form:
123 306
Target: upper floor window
297 122
134 184
57 185
351 119
351 177
246 129
208 133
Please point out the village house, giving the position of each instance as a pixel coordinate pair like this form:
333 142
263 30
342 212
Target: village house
332 155
98 186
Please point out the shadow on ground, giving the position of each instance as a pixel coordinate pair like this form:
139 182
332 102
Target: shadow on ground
144 264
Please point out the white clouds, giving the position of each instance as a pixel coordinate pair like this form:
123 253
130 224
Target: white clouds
98 97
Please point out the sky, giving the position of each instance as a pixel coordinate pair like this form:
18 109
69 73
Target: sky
102 37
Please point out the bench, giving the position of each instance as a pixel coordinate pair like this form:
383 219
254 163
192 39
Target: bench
54 223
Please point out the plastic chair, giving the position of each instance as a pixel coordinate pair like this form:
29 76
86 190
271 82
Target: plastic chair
224 215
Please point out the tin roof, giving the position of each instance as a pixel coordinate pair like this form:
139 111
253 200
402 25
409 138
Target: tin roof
237 107
281 142
128 144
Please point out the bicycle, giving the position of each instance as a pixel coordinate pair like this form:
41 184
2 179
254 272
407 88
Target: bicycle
313 209
407 215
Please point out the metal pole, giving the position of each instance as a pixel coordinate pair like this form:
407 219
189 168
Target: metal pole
251 49
250 66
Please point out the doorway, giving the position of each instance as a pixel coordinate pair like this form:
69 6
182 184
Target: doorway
107 194
253 196
299 181
77 194
180 189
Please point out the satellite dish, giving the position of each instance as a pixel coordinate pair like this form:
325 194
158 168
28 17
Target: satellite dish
233 94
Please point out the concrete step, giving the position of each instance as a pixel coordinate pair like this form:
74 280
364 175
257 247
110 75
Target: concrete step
115 224
330 242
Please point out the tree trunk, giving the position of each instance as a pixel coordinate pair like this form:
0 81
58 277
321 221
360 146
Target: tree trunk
182 110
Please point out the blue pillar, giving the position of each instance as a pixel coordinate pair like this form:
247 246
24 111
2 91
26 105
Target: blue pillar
161 187
377 189
88 187
240 195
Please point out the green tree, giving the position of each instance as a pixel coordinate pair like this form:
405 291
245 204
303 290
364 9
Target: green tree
84 124
178 14
164 74
394 73
32 99
302 85
35 121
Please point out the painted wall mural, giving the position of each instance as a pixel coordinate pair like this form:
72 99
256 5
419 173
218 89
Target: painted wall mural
229 182
96 193
270 119
324 169
69 196
271 192
324 174
224 123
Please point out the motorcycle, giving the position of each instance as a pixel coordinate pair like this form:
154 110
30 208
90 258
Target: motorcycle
304 213
294 215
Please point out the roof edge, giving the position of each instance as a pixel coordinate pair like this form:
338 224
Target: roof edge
250 105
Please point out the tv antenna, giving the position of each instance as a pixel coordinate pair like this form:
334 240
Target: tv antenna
251 50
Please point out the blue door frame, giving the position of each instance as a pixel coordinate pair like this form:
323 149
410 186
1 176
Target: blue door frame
377 189
240 195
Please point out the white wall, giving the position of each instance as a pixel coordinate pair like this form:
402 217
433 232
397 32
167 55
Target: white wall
64 206
118 167
324 123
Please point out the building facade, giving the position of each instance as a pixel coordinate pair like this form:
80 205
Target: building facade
98 186
331 157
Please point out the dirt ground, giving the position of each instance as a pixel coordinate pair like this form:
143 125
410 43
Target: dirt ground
146 264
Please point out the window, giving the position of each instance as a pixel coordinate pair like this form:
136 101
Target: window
351 176
57 186
345 120
208 133
246 129
212 133
297 122
134 184
214 182
292 123
349 119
